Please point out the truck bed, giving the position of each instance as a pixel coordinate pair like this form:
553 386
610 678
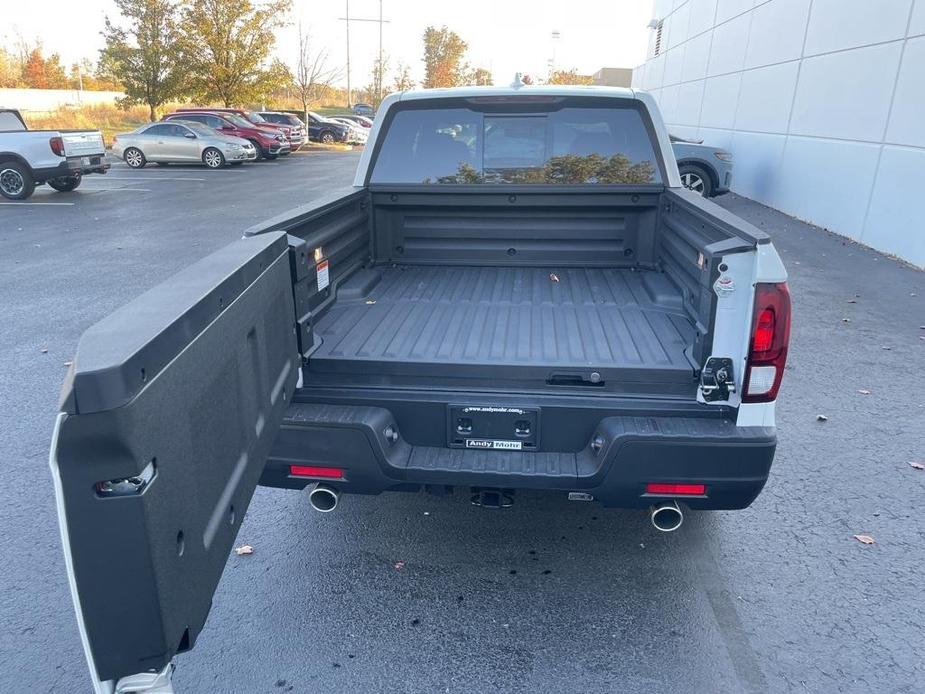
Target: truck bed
536 327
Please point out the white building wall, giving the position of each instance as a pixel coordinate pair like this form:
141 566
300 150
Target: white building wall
822 103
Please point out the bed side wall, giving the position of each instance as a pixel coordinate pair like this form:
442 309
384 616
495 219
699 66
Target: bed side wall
479 228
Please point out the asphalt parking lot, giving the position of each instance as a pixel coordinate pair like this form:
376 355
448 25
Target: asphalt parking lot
411 593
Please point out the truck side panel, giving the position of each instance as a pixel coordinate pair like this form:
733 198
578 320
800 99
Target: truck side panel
330 241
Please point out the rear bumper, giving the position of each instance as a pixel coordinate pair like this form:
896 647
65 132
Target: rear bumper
71 166
623 454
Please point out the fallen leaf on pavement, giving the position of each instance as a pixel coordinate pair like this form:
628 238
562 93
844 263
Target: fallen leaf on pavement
917 466
399 565
864 391
864 539
243 549
554 277
821 418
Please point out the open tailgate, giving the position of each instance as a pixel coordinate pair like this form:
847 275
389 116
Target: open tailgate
167 417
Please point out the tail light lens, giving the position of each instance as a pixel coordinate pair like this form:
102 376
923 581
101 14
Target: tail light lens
767 353
57 145
316 471
676 489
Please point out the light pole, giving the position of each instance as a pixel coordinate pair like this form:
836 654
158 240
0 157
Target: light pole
380 22
555 35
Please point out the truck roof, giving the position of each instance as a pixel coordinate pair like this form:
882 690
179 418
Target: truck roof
510 90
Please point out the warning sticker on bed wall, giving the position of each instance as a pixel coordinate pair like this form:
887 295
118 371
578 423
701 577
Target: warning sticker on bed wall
324 275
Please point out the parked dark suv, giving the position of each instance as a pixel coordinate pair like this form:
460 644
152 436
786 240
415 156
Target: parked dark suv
321 129
270 142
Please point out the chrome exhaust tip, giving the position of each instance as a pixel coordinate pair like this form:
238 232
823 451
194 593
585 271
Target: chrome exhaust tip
323 498
666 517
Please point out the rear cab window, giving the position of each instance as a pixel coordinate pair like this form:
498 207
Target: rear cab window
543 140
10 123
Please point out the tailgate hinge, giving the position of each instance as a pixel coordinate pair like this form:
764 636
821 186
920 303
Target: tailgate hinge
716 379
148 682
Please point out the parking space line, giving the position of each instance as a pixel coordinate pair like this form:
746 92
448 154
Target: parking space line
117 190
151 178
24 204
126 169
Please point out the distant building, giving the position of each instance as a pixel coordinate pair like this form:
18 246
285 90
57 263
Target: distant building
822 102
613 77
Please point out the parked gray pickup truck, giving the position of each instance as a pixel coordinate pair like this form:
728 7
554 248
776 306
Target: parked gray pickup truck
516 294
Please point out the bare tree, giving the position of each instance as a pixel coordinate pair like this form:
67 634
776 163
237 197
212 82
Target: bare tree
377 86
312 76
402 81
24 47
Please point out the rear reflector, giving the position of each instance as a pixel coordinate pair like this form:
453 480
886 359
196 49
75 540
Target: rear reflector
314 471
767 352
676 489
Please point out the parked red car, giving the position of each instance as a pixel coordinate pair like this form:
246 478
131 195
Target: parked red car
294 134
270 142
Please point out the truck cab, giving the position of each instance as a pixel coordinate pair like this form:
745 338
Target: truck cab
516 294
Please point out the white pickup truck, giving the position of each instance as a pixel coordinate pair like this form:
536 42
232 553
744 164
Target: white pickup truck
516 294
60 158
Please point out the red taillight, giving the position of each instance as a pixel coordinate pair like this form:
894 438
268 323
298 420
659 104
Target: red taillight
767 353
676 489
316 471
57 146
764 331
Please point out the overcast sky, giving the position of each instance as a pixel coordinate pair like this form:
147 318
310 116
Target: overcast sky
504 36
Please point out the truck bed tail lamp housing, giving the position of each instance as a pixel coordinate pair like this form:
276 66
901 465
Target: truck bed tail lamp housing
316 471
767 354
57 145
676 489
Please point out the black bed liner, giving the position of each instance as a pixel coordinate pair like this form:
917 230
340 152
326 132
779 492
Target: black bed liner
544 326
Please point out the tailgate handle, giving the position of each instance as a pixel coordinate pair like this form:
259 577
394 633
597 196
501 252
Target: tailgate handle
592 378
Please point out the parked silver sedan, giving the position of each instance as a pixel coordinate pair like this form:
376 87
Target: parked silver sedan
181 142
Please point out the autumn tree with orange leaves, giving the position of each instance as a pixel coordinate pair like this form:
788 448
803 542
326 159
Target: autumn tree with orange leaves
444 58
